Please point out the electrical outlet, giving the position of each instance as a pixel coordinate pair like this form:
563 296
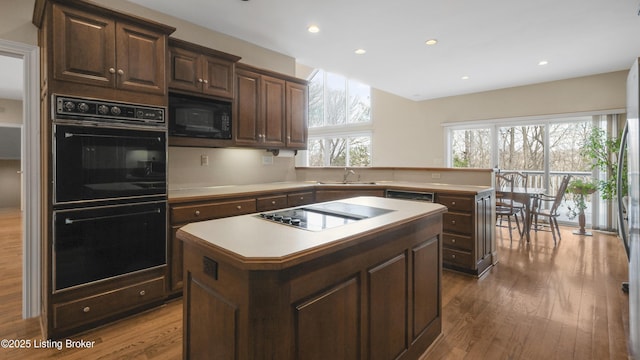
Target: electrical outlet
267 160
435 175
204 160
210 267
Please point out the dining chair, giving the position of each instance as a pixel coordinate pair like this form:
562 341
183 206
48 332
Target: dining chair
547 206
505 205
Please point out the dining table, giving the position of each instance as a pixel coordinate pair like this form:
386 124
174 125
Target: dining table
525 196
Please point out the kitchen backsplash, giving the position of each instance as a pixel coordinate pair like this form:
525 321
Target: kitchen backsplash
197 167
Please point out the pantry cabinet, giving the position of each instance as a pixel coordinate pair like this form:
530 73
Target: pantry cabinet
199 70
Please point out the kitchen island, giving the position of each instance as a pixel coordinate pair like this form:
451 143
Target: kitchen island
368 289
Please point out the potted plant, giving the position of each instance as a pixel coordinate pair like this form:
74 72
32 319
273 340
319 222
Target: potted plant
580 190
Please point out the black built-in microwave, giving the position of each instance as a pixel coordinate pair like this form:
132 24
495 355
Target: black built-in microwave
199 117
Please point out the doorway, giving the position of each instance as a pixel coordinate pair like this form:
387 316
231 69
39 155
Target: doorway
26 104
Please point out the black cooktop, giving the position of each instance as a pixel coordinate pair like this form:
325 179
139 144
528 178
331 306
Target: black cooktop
323 216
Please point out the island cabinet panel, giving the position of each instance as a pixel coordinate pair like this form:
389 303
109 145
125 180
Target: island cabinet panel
336 335
388 308
468 233
379 298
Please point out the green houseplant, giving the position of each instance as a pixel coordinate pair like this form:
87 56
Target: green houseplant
580 190
603 152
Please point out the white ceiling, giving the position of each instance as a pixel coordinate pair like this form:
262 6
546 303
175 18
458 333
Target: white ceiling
496 43
11 77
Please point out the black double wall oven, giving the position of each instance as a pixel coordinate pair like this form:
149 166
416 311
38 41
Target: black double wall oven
109 190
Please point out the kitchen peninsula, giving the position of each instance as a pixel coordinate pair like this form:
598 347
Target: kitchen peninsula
368 289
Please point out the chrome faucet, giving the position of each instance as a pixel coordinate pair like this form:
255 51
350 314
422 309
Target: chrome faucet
347 172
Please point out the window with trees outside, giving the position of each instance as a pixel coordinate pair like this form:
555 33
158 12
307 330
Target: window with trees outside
544 150
339 121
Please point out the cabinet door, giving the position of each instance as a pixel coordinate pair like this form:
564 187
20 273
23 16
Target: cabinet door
141 59
185 69
247 108
217 76
273 100
297 103
83 47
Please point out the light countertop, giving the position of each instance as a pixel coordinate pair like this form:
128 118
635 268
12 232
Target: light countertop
254 242
212 192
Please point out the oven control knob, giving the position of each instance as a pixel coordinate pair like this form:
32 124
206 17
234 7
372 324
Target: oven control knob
277 217
69 106
103 109
83 107
296 222
286 220
115 110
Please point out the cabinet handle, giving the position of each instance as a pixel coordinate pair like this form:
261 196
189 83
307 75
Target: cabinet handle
112 70
273 202
197 212
86 309
239 207
120 72
453 222
199 80
453 241
453 203
453 256
301 197
206 81
143 293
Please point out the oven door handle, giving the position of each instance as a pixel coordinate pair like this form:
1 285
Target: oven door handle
69 221
70 134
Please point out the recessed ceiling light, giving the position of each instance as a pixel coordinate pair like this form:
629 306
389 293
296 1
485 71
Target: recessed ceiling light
360 51
313 29
431 42
466 77
543 62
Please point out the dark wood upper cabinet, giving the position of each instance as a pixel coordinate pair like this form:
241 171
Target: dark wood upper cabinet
297 110
91 51
270 110
100 51
200 70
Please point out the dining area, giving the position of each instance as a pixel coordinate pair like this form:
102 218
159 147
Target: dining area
523 206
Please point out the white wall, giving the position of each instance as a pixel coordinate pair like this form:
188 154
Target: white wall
10 187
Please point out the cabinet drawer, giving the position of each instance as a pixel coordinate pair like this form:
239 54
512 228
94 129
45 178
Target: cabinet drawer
271 203
456 203
458 258
457 242
99 306
206 211
302 198
457 223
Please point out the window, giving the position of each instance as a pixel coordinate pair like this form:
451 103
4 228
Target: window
542 149
339 121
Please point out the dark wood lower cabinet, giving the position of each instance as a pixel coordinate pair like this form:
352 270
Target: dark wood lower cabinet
378 299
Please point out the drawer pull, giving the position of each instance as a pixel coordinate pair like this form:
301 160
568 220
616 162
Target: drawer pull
197 212
453 256
453 241
86 309
453 222
453 203
143 293
239 207
301 197
273 202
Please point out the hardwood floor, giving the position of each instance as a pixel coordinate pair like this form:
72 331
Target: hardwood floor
539 302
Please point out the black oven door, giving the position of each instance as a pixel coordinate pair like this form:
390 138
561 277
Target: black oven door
94 244
98 163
